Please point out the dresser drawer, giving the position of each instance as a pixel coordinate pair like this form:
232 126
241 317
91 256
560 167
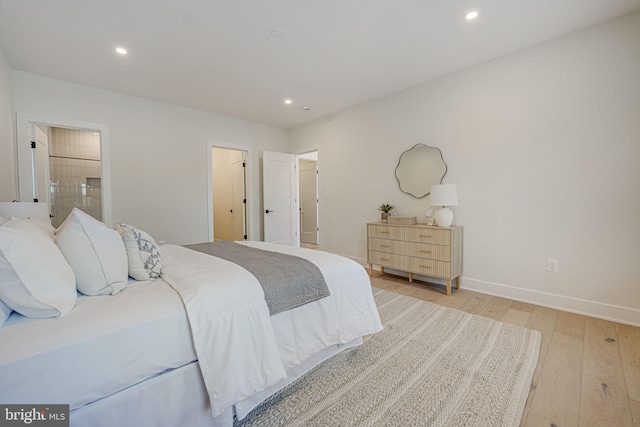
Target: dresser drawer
385 232
427 251
387 259
386 245
429 235
428 267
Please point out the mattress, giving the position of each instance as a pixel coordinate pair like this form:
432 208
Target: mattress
106 344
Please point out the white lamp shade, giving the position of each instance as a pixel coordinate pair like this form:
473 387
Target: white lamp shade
444 195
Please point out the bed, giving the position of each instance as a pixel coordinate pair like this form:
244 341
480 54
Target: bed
137 357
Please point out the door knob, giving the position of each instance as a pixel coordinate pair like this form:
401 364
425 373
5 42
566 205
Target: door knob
268 211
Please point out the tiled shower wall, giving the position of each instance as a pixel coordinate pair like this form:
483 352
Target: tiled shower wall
75 171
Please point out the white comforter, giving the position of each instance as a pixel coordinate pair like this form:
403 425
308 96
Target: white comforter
226 309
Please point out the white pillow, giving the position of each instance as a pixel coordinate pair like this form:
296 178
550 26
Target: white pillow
142 252
35 279
95 252
5 312
32 226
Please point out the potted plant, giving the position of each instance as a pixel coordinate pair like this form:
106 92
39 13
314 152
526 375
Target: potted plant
385 209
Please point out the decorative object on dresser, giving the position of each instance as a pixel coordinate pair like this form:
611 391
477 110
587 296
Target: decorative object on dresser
444 195
385 208
416 249
430 218
419 168
406 220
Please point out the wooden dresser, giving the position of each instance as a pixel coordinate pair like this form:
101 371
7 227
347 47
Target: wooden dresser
416 249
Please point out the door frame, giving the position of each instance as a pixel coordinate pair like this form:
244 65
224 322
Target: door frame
298 157
210 144
25 123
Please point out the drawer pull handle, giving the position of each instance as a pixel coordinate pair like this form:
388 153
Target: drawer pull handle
425 252
384 246
424 235
384 232
424 266
385 259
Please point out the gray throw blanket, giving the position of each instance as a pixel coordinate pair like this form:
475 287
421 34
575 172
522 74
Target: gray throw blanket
288 281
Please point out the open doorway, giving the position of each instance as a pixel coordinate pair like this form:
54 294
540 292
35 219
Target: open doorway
308 188
65 164
228 194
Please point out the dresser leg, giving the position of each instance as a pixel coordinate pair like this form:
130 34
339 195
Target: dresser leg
370 270
410 277
382 269
458 282
448 287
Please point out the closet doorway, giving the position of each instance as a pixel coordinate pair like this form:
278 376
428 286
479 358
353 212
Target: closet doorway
228 194
308 188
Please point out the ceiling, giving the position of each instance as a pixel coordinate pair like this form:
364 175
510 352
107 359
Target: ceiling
221 56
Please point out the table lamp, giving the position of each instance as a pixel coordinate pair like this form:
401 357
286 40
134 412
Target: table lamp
444 195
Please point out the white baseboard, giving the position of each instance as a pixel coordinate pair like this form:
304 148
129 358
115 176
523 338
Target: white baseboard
614 313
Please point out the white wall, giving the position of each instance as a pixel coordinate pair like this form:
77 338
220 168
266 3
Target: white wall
544 146
7 151
158 152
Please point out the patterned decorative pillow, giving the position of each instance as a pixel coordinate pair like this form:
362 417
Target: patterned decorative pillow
142 252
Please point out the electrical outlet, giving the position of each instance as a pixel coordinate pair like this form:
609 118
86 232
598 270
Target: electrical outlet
553 265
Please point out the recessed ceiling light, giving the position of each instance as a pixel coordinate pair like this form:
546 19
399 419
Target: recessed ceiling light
305 108
470 16
288 101
121 50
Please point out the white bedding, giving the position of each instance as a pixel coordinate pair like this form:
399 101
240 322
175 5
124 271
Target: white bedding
235 317
109 343
349 312
104 345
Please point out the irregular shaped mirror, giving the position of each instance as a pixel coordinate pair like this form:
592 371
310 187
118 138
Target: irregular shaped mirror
419 168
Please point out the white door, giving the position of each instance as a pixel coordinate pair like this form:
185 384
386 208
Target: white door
308 177
33 161
238 199
41 166
279 198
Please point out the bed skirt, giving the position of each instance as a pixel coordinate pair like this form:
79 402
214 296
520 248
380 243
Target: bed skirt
179 398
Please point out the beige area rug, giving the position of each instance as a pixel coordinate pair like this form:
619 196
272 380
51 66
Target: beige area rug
431 366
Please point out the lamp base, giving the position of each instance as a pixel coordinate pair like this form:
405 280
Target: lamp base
444 217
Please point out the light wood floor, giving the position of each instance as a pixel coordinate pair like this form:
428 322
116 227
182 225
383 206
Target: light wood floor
588 373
